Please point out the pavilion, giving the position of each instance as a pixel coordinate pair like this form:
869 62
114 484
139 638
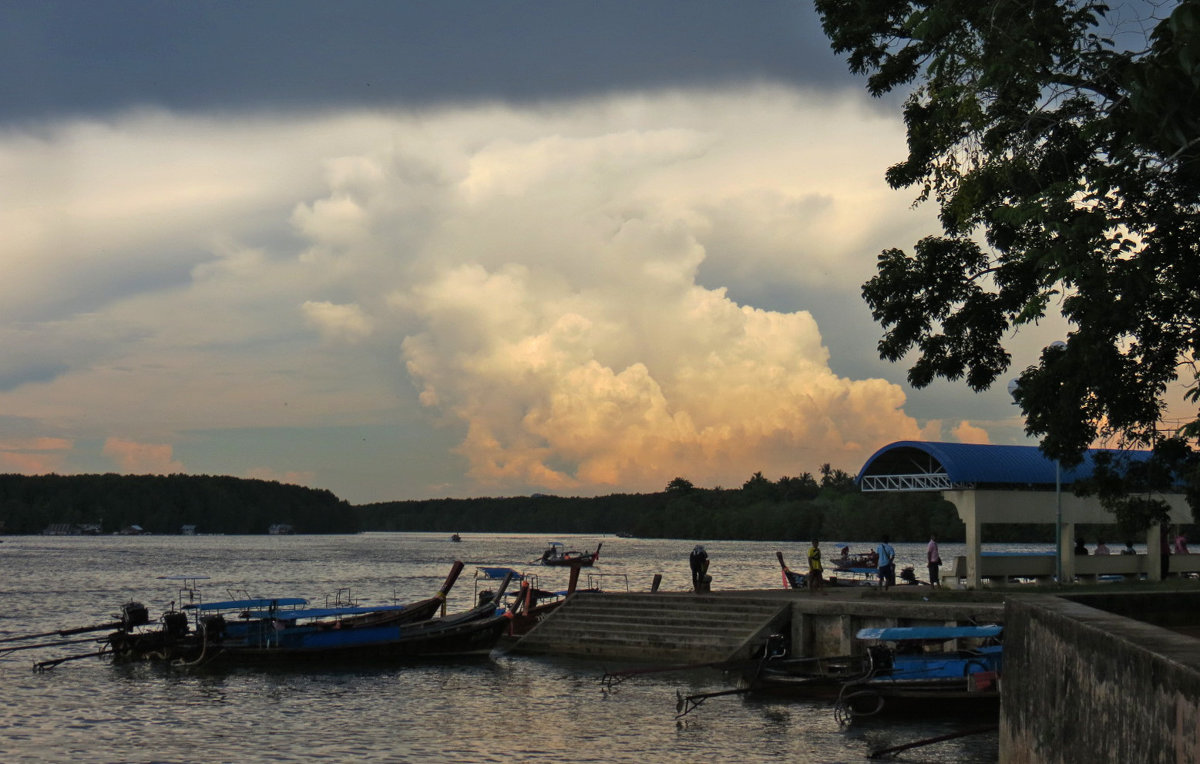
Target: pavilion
1013 484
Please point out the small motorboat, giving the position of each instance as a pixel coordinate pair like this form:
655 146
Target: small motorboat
907 670
557 554
913 671
865 562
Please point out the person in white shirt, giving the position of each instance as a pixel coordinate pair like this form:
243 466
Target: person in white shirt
934 559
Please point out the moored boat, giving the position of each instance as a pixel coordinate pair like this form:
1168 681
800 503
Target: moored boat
865 561
794 580
905 670
285 629
281 632
913 671
558 554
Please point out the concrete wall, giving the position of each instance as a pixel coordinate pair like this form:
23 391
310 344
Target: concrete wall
822 627
1083 684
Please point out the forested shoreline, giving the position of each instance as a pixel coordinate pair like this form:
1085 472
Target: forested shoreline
161 504
829 506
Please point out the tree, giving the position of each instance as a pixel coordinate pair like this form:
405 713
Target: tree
759 488
680 485
835 479
1066 169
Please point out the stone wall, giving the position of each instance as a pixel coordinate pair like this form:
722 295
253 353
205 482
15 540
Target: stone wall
1084 684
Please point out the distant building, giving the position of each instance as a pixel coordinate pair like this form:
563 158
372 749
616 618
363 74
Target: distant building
281 529
188 530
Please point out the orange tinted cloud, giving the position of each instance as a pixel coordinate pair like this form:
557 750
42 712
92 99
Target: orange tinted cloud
34 456
966 432
142 458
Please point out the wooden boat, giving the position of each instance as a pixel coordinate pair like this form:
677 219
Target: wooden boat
912 671
557 554
420 610
531 602
907 670
794 580
284 629
284 632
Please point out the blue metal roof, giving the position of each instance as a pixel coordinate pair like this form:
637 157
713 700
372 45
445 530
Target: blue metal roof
964 464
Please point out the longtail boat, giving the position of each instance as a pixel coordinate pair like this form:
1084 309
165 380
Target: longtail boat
284 629
558 554
904 670
913 671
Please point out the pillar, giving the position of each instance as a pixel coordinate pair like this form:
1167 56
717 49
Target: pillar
974 549
1066 551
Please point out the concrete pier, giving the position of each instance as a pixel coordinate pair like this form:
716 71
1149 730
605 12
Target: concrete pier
1111 674
684 627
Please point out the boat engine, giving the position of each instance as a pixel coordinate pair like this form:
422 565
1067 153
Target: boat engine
881 657
134 614
175 624
213 627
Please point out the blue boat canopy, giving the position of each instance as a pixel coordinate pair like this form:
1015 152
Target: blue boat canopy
922 633
498 574
911 465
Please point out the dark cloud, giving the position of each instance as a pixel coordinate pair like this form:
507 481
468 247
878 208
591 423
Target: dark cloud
68 58
13 376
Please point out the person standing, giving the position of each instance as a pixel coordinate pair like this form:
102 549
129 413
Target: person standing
816 581
886 563
1101 547
698 561
934 558
1180 543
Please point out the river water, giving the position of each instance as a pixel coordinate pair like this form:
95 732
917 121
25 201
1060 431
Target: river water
501 708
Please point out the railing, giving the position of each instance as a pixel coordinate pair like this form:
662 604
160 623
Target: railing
1042 566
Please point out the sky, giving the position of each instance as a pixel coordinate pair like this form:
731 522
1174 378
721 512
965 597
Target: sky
404 250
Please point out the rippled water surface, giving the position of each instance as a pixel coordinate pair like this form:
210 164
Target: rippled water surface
502 708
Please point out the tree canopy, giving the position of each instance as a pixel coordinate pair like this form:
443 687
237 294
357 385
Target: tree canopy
1065 162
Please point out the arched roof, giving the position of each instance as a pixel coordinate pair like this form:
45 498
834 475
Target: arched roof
911 465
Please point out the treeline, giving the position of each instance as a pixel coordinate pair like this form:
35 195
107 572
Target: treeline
165 503
790 509
828 506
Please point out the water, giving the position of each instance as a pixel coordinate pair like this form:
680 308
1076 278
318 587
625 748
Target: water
503 708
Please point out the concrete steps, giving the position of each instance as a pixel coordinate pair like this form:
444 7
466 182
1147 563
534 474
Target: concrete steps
686 627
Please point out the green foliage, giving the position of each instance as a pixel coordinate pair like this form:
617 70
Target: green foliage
1066 169
790 509
680 485
162 504
1127 488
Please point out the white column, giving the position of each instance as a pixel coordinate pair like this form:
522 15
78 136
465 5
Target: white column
1067 551
1154 552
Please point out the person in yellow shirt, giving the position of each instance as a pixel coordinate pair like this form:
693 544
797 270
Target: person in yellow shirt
815 572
